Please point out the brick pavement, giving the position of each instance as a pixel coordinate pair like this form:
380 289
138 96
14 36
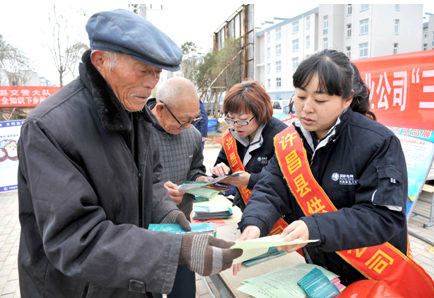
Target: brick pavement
10 229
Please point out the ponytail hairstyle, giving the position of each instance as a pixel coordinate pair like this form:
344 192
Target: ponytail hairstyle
360 101
337 76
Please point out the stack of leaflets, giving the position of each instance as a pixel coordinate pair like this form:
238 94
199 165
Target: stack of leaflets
211 212
282 282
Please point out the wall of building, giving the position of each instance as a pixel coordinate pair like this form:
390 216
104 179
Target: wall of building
409 34
379 38
429 39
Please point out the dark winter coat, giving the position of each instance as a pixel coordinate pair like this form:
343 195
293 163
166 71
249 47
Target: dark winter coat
260 157
89 185
202 125
361 167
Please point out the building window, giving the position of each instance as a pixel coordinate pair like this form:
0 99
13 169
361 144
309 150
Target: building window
294 63
364 7
295 27
348 30
307 41
396 26
278 50
349 9
295 45
425 32
278 82
268 36
326 43
278 33
326 25
425 46
397 7
363 50
349 52
395 48
307 23
364 26
278 66
269 84
268 68
268 53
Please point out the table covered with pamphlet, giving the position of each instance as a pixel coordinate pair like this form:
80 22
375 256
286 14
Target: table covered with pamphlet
226 283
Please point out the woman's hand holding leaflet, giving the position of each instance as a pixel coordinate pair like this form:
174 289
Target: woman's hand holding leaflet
296 230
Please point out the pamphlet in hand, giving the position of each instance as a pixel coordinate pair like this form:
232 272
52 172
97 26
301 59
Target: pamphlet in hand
196 184
176 228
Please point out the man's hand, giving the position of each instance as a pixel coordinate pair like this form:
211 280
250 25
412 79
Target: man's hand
177 216
204 178
250 232
207 255
296 230
174 193
220 170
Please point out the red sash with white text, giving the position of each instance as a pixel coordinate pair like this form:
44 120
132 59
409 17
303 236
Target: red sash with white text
234 160
380 262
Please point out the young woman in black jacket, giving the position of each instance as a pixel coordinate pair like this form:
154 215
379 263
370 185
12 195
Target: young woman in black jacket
358 163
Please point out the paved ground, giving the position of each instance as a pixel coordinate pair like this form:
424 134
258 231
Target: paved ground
10 229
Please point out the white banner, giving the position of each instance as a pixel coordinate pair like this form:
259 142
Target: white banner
9 135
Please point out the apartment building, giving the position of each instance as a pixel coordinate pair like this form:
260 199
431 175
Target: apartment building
359 30
428 32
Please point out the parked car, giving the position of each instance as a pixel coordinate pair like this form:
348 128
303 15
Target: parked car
278 105
286 114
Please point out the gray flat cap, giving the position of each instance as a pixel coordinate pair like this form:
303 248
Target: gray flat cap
123 31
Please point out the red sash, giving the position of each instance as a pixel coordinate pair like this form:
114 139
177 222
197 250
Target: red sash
234 160
380 262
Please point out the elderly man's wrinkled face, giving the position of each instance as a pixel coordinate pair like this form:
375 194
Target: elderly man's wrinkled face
131 80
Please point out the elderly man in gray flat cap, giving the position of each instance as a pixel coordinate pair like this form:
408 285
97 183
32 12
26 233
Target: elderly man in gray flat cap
89 177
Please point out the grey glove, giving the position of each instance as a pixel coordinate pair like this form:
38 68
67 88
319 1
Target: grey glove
207 255
176 216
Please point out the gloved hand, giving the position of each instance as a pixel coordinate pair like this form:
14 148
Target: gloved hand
207 255
176 216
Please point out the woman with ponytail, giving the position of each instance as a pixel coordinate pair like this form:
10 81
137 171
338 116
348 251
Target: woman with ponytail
341 174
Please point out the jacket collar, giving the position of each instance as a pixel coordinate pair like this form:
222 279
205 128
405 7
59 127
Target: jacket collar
112 114
332 135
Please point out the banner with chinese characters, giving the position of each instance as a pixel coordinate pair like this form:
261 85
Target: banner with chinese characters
402 98
24 96
9 135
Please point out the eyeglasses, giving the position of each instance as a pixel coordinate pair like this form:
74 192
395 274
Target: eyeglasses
239 122
182 125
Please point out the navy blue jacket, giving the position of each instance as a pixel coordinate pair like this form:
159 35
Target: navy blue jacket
202 126
260 157
361 167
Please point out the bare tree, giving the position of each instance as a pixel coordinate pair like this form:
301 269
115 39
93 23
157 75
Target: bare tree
15 65
217 72
189 60
63 40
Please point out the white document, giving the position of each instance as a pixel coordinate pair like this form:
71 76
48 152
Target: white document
255 247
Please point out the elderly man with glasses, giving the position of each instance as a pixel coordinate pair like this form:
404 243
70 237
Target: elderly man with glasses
176 108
